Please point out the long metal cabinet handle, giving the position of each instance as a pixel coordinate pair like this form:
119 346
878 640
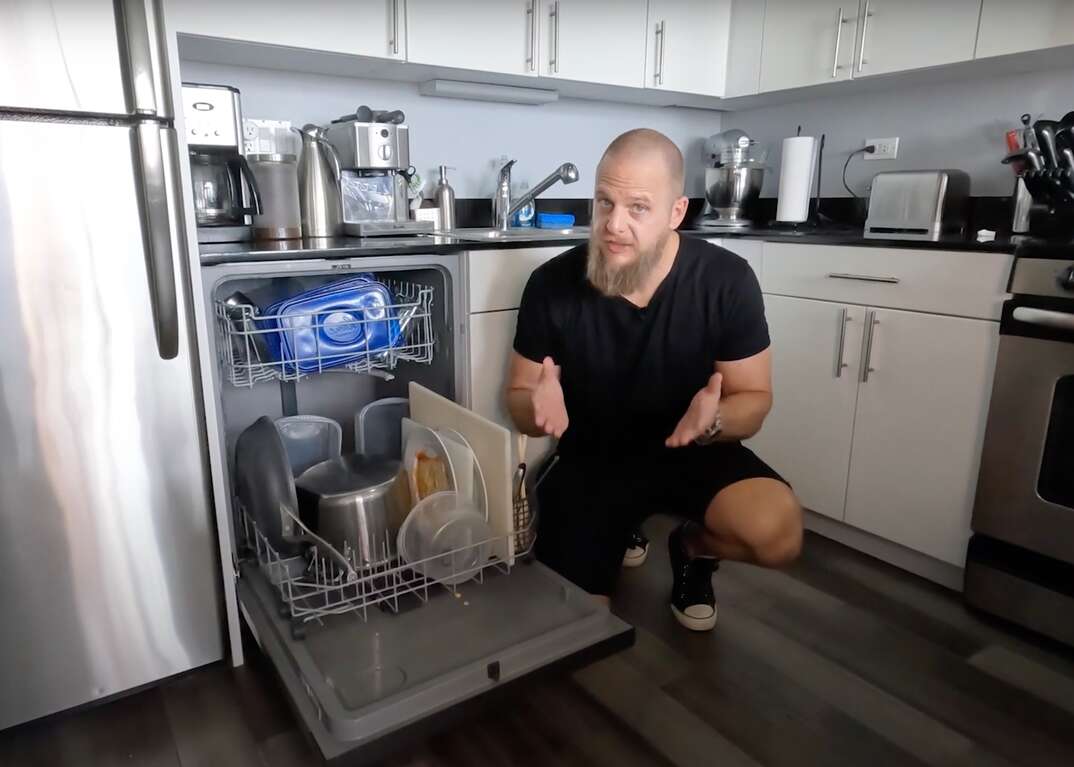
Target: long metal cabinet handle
862 278
1044 317
553 63
155 207
867 353
839 22
840 352
394 29
142 51
864 29
658 54
531 37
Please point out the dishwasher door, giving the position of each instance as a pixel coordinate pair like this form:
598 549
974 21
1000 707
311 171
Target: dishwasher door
364 687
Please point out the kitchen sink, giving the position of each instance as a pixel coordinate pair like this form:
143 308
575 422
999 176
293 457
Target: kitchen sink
517 234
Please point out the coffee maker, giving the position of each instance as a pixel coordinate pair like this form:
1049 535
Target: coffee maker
374 156
225 190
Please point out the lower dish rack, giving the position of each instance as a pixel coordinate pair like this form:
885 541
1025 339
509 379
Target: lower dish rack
323 581
249 341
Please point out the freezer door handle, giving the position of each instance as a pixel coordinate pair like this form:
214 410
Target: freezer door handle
142 44
155 207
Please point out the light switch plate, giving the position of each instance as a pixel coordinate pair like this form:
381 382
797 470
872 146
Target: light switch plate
886 148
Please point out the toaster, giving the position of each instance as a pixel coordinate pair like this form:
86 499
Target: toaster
917 204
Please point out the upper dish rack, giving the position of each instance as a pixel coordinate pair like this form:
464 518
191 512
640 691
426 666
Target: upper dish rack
244 349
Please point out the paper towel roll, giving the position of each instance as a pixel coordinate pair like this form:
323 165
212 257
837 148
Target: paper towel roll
796 178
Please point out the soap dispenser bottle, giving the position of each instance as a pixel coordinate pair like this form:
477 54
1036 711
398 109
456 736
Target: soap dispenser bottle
445 201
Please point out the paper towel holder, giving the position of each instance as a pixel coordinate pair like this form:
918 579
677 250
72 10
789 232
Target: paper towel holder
813 214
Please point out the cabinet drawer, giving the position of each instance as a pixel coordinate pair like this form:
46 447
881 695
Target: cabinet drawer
963 284
497 277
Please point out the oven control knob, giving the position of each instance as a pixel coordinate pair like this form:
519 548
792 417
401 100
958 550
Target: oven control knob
1066 278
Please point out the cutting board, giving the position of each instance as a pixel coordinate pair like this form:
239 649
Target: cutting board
491 444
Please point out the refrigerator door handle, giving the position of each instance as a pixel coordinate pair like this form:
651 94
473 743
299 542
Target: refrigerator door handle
142 44
154 200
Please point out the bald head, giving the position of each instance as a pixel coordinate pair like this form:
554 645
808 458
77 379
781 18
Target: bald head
646 144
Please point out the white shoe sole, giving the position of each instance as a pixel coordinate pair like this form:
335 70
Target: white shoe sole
635 560
695 624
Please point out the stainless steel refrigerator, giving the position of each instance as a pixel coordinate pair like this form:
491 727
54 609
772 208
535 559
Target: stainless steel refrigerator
110 572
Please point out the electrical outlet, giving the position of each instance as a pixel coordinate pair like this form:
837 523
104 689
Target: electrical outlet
886 148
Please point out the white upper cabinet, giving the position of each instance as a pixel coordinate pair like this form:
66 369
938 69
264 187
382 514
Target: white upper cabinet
1027 25
595 41
687 45
897 35
360 27
486 35
807 42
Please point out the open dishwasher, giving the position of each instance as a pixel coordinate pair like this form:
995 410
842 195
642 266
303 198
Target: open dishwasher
371 652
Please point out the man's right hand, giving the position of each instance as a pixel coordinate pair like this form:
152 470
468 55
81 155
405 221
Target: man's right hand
549 409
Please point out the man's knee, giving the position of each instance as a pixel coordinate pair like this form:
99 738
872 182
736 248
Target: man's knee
777 535
769 526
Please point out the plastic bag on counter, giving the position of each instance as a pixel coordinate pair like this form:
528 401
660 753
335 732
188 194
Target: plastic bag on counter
367 198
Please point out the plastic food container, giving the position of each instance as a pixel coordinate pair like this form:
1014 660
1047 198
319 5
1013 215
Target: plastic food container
332 325
309 440
445 538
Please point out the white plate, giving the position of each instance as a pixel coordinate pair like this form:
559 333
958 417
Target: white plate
472 487
422 439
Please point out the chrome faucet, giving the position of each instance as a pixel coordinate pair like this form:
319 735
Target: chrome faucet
503 207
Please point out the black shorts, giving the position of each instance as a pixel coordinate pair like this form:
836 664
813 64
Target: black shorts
588 508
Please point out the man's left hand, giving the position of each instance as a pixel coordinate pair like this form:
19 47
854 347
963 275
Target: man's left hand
701 414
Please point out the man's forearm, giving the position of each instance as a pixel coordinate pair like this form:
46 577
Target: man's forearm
520 407
742 414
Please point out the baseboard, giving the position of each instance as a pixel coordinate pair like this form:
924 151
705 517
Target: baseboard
906 559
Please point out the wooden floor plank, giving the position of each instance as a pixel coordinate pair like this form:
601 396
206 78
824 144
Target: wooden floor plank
207 722
919 605
998 715
672 729
130 730
1026 674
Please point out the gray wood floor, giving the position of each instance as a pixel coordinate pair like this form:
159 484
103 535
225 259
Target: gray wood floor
840 661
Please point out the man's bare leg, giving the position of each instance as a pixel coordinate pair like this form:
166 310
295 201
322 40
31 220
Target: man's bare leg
756 520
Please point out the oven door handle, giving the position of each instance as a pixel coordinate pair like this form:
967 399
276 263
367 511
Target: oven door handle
1044 318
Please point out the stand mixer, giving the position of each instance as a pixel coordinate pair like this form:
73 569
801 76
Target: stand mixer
734 172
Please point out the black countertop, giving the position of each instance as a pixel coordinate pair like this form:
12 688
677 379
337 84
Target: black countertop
351 247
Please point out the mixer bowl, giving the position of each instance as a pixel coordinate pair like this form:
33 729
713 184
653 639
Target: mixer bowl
729 189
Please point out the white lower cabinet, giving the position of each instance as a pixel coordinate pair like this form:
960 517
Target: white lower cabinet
894 451
918 431
807 436
492 336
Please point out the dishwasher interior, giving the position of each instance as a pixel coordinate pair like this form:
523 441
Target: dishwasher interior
370 649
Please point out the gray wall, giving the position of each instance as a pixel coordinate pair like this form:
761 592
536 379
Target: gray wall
947 125
470 135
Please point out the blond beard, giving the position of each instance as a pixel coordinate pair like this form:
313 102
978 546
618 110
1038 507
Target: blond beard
622 281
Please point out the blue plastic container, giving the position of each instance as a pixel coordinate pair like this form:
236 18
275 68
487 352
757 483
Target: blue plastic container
555 220
332 325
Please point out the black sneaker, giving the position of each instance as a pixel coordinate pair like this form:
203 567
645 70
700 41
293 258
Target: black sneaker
637 550
692 600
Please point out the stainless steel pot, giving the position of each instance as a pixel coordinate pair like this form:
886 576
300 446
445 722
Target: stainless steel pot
357 504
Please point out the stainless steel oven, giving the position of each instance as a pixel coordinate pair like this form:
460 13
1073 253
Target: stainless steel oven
1020 563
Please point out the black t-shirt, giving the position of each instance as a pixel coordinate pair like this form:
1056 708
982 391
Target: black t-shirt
629 373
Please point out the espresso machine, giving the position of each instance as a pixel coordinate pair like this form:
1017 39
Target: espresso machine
734 172
225 190
373 148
